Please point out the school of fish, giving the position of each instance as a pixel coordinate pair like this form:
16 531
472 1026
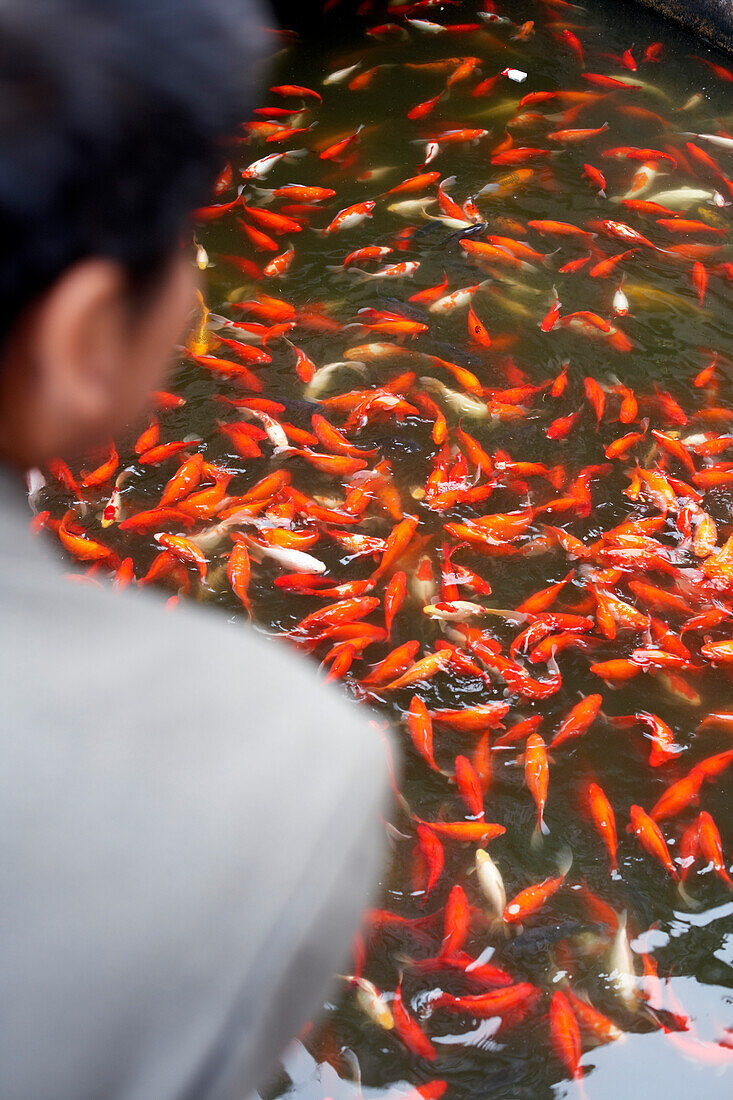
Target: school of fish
393 558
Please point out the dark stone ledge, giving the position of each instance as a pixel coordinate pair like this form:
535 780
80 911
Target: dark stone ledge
713 19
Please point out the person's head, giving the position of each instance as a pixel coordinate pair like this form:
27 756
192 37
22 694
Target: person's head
112 115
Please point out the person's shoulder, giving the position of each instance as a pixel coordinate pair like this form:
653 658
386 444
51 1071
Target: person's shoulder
197 814
172 674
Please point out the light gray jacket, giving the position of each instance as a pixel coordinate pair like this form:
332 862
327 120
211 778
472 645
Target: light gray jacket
188 834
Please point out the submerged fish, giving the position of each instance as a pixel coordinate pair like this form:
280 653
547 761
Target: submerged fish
423 461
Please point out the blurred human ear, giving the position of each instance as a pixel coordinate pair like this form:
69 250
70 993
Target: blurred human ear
82 361
78 348
58 380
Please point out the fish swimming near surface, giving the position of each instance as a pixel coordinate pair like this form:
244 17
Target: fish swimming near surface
454 417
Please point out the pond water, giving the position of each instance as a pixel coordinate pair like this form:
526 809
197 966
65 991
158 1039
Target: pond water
508 401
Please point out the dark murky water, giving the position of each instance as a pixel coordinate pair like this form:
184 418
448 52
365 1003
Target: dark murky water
672 336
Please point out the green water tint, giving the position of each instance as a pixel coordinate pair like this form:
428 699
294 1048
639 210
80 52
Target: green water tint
673 340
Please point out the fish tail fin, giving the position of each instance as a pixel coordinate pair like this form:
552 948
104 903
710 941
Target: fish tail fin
566 861
267 193
689 901
547 180
499 927
359 275
540 832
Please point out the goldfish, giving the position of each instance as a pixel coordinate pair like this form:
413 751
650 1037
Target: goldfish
622 232
650 837
79 545
711 848
350 216
574 44
604 820
409 1031
536 773
372 1002
678 796
471 719
491 882
565 1033
422 463
484 1005
505 185
103 473
623 972
338 148
218 210
532 898
420 727
577 135
591 1020
455 300
476 832
578 720
238 572
184 549
602 81
559 229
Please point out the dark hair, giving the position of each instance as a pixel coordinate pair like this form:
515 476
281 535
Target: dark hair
111 119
